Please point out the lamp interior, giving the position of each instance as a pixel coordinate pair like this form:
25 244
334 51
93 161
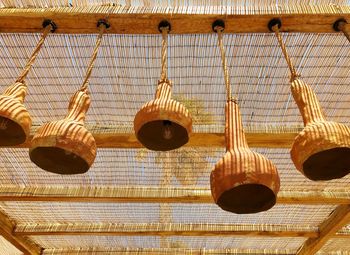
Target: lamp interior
58 160
328 164
247 198
11 133
152 135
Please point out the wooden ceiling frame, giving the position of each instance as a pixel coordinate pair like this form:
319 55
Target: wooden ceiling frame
22 243
83 21
71 20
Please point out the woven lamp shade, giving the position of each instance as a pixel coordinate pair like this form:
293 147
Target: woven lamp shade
321 151
15 121
65 146
163 124
243 181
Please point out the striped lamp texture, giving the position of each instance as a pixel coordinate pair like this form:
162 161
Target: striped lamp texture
163 124
243 181
15 121
321 151
65 146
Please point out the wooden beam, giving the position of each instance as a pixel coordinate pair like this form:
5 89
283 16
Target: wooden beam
209 140
164 229
170 229
163 251
302 18
338 219
20 242
154 195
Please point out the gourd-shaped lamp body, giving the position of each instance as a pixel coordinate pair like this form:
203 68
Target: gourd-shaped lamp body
66 146
15 121
163 124
321 151
242 181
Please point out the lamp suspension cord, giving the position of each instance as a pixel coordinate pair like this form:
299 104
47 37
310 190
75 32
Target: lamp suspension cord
48 28
165 32
102 28
219 30
292 70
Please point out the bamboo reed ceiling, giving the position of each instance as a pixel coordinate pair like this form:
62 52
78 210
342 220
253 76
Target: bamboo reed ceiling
136 201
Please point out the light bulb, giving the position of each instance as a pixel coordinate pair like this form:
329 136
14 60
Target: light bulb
167 133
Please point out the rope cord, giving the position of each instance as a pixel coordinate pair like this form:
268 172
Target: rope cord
219 31
102 28
165 31
292 70
343 27
35 53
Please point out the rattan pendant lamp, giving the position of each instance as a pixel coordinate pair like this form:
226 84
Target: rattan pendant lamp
15 121
242 181
66 146
163 124
321 151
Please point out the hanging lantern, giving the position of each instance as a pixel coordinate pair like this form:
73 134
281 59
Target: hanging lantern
321 151
66 146
163 124
15 121
242 181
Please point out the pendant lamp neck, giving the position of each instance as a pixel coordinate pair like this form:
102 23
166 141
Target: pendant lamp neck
219 30
234 133
163 90
165 31
18 90
307 102
102 26
341 25
78 106
276 29
49 26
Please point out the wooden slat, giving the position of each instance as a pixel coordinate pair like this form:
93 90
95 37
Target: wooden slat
164 251
154 195
20 242
164 229
338 219
83 20
209 140
170 229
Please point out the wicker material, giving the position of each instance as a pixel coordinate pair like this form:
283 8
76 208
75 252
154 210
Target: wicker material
322 150
15 121
66 146
163 124
243 181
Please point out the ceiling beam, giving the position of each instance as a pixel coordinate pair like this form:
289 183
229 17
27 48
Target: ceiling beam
163 251
327 229
209 140
154 195
164 229
22 243
123 20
